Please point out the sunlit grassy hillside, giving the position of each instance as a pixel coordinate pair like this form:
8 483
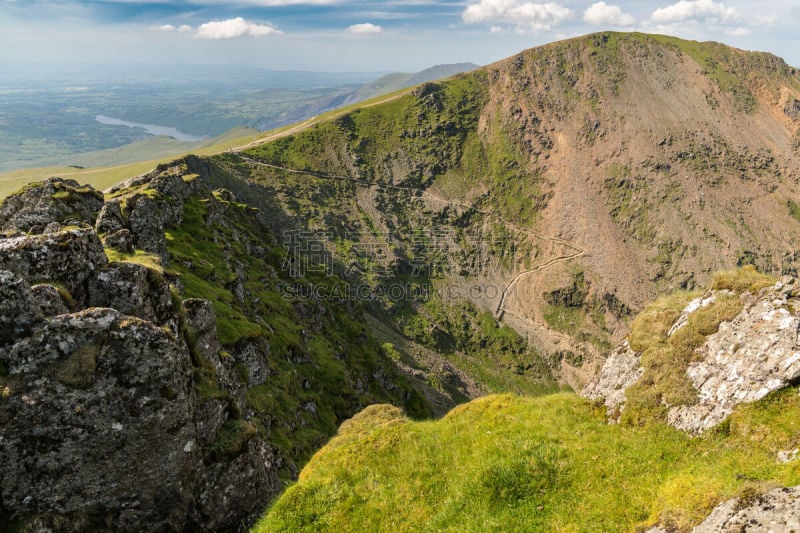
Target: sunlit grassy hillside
507 463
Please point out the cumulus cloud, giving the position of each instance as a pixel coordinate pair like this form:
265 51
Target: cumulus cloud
522 15
602 14
700 10
184 28
232 28
366 28
167 27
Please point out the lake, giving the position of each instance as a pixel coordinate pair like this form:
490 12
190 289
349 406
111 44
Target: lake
153 129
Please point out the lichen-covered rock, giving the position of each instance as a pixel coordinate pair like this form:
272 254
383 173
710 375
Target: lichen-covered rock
68 257
174 193
145 223
753 355
100 429
202 321
256 469
49 300
19 312
54 201
253 353
777 511
621 370
110 218
98 417
120 240
133 289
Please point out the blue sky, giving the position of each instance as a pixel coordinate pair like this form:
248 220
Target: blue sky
363 35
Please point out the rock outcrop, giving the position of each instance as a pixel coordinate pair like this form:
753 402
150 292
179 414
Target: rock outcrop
776 511
126 404
756 353
621 370
68 257
748 357
102 423
44 207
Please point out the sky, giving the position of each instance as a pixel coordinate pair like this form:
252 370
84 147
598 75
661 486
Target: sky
361 35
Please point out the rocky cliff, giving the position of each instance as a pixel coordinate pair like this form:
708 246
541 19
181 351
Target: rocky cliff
128 403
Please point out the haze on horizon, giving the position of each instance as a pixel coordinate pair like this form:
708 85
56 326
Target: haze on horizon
359 35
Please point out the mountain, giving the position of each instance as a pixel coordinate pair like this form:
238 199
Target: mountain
213 322
568 185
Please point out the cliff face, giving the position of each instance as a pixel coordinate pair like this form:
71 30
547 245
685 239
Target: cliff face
126 403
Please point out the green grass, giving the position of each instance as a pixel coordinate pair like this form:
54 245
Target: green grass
507 463
564 319
231 439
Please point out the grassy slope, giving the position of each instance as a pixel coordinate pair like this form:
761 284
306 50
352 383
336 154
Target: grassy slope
533 464
431 130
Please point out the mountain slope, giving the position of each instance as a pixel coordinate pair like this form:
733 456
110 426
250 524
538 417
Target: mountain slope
603 170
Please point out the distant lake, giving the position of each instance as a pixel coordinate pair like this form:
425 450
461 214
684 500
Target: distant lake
153 129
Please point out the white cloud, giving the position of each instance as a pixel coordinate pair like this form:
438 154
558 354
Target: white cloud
166 27
699 10
523 15
496 29
767 20
738 32
184 28
364 29
602 14
232 28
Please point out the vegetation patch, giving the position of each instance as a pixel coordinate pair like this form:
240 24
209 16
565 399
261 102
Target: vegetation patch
745 279
535 464
231 439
